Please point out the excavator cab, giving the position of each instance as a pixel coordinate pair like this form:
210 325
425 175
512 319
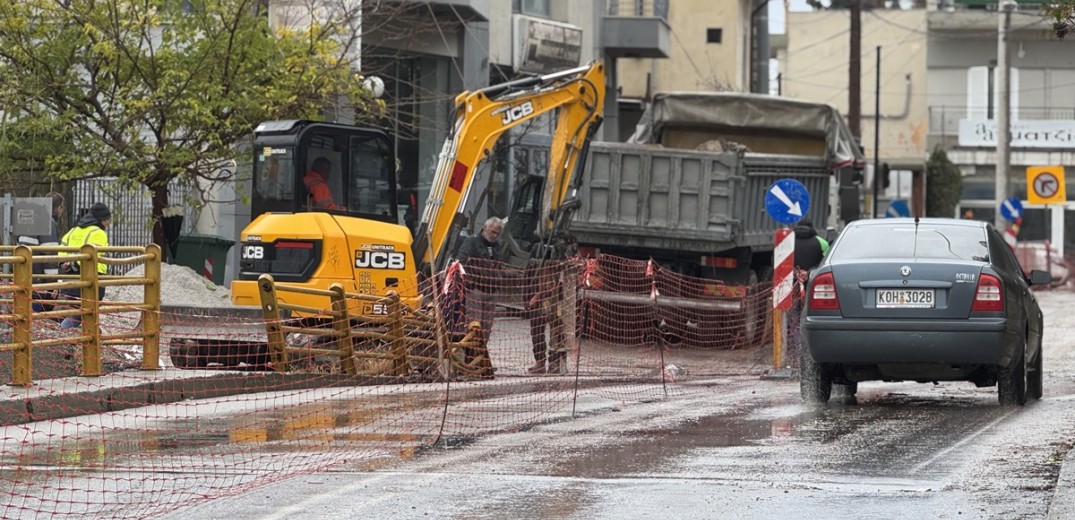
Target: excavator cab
356 166
345 231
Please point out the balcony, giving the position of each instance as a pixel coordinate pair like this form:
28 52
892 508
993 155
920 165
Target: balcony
462 10
637 29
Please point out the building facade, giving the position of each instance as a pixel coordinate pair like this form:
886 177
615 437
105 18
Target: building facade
964 105
815 67
939 86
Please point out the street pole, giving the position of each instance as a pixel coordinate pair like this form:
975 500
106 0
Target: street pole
877 135
1002 186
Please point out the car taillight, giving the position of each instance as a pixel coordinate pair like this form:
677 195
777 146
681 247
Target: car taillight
989 297
823 294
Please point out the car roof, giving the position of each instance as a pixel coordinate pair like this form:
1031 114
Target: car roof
889 222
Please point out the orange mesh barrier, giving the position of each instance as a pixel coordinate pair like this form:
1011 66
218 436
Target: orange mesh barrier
223 415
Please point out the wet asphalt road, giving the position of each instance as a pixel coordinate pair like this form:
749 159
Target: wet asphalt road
725 447
736 447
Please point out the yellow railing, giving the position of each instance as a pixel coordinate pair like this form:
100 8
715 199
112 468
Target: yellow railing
17 289
409 337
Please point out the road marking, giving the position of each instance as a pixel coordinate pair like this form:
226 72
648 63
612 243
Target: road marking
965 440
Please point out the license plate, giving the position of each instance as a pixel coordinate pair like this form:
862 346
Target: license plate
905 299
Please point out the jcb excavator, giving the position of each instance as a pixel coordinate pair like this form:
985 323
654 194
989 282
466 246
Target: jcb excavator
357 241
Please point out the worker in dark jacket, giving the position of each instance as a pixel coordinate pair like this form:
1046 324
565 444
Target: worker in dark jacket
810 247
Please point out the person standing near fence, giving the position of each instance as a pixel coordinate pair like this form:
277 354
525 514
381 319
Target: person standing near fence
52 238
476 254
810 249
92 229
544 283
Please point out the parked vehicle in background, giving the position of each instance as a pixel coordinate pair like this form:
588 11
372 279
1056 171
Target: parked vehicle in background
922 300
688 189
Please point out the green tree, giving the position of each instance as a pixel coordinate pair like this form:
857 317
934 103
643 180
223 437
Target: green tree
149 91
1064 13
944 185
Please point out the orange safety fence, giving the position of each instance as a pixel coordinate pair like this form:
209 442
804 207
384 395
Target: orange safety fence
232 408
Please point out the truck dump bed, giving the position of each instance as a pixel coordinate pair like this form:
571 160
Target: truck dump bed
694 176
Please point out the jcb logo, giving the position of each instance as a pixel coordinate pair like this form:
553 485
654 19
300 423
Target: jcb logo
512 114
380 260
253 253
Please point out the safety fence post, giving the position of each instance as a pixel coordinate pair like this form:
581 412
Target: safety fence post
395 334
273 325
151 317
22 363
91 331
341 322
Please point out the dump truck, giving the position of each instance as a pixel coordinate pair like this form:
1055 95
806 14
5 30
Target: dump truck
687 192
688 188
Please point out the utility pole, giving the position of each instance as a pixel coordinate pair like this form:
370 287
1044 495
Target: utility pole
1002 185
877 136
854 71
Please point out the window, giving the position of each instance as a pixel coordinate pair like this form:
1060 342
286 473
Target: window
535 7
370 191
922 241
983 93
713 35
275 175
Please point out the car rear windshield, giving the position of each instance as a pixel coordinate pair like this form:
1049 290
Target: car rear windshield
905 241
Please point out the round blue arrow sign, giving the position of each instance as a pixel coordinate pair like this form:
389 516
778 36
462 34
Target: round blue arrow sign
787 201
898 208
1011 209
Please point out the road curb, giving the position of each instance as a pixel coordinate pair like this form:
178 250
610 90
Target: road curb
1062 506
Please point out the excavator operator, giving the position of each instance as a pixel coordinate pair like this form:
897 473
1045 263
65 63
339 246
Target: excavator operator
316 182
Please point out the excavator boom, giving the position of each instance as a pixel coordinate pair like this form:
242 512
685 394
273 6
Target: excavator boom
482 116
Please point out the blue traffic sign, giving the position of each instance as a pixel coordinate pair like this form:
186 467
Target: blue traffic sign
898 208
787 201
1011 209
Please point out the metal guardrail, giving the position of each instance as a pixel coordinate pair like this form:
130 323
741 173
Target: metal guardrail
22 283
405 334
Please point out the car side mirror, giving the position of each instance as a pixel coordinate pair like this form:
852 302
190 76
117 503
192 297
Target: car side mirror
1039 277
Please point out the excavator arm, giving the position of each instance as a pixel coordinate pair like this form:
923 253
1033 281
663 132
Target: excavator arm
484 115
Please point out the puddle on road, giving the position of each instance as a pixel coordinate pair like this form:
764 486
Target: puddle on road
649 449
331 427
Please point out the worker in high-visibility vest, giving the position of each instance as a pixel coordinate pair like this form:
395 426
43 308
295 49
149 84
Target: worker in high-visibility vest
91 229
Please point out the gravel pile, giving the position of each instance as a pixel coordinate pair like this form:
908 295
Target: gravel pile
180 286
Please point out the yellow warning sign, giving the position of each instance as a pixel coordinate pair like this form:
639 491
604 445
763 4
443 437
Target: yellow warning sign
1045 185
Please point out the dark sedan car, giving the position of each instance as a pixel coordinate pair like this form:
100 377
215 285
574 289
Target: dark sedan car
921 300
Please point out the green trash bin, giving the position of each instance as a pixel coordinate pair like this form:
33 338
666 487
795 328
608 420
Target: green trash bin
206 254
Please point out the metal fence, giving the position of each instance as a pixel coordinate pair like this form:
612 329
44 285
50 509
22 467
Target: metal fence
132 208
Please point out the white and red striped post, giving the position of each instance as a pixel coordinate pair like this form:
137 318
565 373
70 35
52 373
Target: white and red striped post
1012 232
783 284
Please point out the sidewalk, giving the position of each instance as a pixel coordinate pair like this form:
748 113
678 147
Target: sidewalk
1063 505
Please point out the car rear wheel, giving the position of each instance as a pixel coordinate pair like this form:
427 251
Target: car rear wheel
815 381
1011 388
1034 377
